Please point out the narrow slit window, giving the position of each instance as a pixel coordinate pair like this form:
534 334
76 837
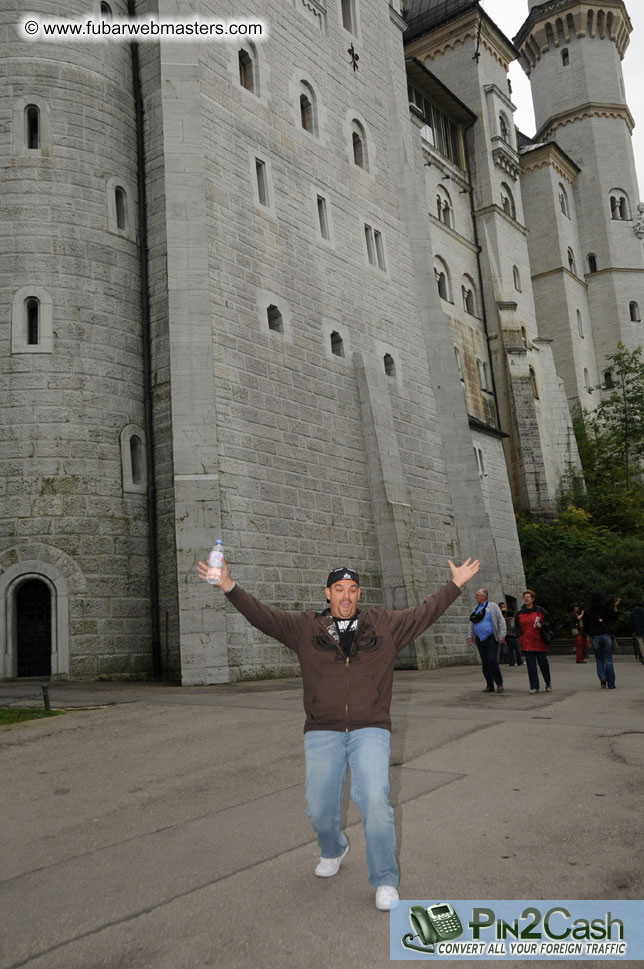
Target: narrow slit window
323 220
380 249
262 182
359 145
592 263
32 306
634 310
441 282
390 366
565 57
517 278
136 458
533 382
32 118
371 249
246 78
586 380
119 199
306 112
608 380
275 320
337 344
580 324
572 265
349 15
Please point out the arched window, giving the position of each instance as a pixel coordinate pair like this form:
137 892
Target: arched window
620 209
444 207
119 199
468 291
524 337
533 381
337 344
634 310
32 126
136 458
133 460
504 128
517 278
608 380
572 265
246 70
580 325
106 11
32 310
563 201
592 262
507 201
390 367
275 320
359 145
308 108
443 280
565 57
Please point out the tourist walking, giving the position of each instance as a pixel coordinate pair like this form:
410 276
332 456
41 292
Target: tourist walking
599 620
487 631
535 626
577 630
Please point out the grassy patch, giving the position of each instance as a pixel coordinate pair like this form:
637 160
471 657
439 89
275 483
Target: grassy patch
21 714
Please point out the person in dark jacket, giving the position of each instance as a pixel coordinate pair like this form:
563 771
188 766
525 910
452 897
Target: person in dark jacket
511 641
577 630
531 619
347 661
637 628
598 624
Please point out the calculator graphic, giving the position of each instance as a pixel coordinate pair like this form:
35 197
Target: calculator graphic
436 923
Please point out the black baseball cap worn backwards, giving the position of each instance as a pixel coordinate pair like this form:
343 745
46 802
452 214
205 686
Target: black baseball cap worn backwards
337 575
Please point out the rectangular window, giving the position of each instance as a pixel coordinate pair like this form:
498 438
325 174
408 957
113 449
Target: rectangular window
262 182
380 249
348 15
371 249
323 218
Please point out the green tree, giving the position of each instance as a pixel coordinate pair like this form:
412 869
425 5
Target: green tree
617 424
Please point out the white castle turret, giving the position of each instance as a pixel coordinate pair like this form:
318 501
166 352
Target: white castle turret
572 52
73 557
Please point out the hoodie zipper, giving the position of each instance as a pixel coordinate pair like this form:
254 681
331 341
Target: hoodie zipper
347 664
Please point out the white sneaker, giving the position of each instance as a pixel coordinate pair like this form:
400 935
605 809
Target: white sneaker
534 691
385 895
327 867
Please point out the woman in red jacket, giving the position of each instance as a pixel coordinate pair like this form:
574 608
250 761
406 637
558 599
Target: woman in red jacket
530 619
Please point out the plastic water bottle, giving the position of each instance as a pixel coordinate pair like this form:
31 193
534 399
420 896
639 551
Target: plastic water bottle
214 563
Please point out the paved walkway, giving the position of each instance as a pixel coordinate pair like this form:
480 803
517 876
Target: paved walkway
155 827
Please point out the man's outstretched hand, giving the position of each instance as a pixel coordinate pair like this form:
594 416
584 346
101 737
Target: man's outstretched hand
463 573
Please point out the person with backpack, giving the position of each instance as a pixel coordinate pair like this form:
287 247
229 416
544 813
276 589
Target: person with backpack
536 632
598 624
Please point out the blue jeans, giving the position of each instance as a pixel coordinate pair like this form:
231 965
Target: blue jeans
603 650
329 754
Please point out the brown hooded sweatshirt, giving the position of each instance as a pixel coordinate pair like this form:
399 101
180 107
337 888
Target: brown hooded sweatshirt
346 692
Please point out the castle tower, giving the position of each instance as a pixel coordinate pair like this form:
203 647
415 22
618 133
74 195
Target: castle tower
572 52
74 596
468 53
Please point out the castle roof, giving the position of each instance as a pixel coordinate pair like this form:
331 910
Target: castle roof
421 16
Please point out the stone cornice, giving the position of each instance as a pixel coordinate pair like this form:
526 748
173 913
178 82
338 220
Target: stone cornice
592 109
506 158
549 155
599 18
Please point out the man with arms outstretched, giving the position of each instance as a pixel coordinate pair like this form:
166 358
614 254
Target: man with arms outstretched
347 660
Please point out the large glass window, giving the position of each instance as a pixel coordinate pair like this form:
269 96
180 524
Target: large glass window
439 130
